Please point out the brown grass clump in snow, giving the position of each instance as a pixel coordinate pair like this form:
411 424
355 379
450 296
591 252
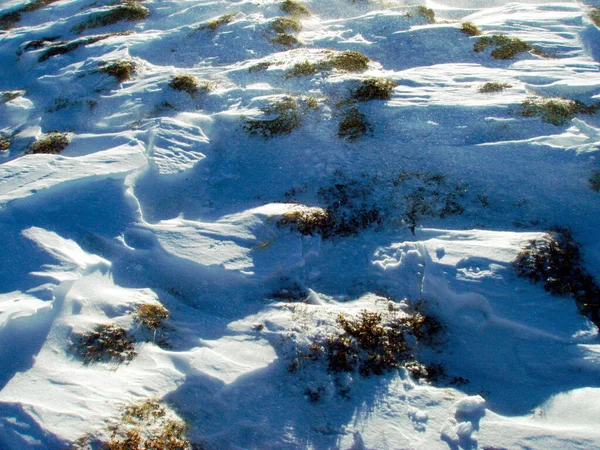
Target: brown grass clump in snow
4 142
286 25
557 111
51 143
374 89
9 20
492 87
354 125
295 8
107 342
151 315
555 260
122 70
286 40
349 61
130 11
470 29
505 47
189 84
213 25
595 16
149 425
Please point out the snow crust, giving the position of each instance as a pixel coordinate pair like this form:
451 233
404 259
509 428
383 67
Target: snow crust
163 196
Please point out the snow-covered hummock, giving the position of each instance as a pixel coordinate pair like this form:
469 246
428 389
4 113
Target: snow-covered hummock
163 196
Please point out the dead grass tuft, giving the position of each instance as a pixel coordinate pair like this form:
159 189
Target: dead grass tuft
9 20
106 343
61 48
302 69
349 61
122 70
151 315
287 118
374 89
260 67
286 40
189 84
354 125
149 426
555 260
470 29
427 13
130 11
505 47
286 25
8 96
213 25
309 221
4 142
492 87
557 111
52 143
595 16
375 345
295 8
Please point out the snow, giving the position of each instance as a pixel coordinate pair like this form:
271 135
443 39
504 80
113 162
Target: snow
162 196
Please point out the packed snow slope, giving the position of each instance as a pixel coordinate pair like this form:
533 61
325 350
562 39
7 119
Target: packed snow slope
202 174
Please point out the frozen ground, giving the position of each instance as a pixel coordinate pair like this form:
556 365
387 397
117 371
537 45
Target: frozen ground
164 196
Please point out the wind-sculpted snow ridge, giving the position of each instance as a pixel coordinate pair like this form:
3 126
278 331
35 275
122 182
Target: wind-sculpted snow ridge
294 225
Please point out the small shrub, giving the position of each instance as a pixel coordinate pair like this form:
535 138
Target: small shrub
223 20
555 259
349 61
556 111
286 25
295 8
149 426
302 69
287 40
130 11
189 84
122 70
151 315
106 343
354 125
287 120
52 143
427 13
374 89
491 87
504 47
470 29
595 180
595 16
